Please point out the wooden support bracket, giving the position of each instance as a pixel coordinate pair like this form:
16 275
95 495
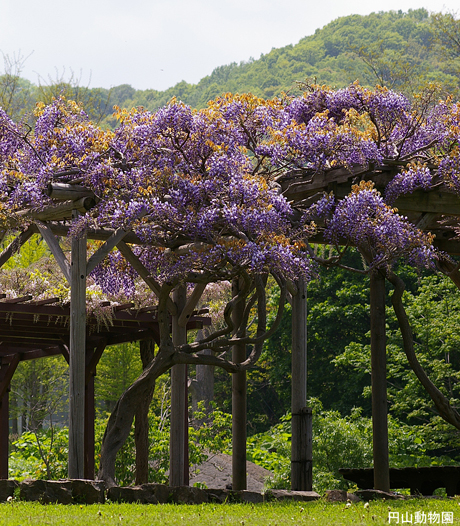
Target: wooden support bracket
191 304
102 252
7 374
131 258
15 245
56 250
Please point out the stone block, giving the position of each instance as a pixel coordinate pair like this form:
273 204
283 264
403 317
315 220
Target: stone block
142 494
46 491
7 488
303 496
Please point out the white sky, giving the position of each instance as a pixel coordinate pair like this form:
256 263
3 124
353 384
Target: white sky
159 43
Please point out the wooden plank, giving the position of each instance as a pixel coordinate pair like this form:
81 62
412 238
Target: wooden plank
21 299
301 460
104 250
56 250
68 192
379 383
239 405
77 358
435 201
15 245
47 301
179 408
60 211
135 262
98 234
192 301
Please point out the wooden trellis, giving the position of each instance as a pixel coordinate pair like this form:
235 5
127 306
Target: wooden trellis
436 210
35 329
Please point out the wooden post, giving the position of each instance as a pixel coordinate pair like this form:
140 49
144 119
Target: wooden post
239 405
77 358
90 416
177 441
4 427
379 383
301 442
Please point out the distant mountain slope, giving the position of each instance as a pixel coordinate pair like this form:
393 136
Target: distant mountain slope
395 49
395 46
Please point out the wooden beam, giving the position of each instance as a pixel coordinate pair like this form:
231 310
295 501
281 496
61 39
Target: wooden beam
60 211
192 301
92 359
379 383
178 459
425 220
239 404
68 192
21 299
433 201
77 358
104 250
90 415
15 245
56 250
7 372
135 262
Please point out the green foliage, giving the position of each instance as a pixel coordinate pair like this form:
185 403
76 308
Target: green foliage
434 313
40 455
119 366
341 442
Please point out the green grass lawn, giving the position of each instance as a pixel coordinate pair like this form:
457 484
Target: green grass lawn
319 513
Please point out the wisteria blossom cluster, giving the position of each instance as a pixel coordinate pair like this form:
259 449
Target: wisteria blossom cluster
206 180
364 220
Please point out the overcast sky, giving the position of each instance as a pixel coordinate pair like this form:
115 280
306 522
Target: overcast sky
157 43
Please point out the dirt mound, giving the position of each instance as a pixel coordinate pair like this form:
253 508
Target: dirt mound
216 472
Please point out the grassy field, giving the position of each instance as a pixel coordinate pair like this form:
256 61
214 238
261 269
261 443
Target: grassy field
319 513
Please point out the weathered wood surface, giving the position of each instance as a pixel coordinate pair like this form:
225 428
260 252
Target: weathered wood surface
239 404
179 407
77 359
301 443
379 382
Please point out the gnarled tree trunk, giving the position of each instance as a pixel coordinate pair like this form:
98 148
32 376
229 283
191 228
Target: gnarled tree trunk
446 411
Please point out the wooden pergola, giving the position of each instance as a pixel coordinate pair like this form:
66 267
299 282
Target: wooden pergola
436 210
37 329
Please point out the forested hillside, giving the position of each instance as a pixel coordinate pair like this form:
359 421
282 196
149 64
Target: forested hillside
399 50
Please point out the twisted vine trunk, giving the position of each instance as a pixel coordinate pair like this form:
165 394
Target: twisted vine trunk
141 420
121 419
442 404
